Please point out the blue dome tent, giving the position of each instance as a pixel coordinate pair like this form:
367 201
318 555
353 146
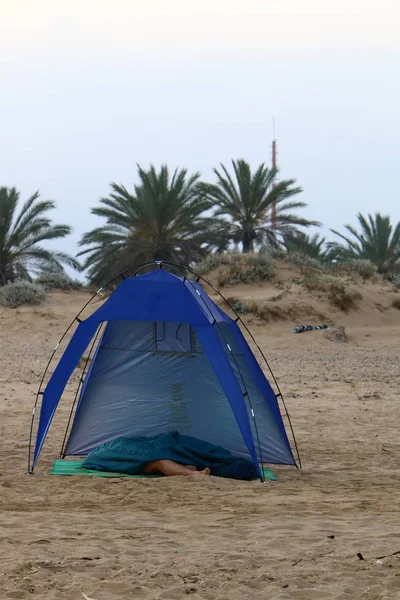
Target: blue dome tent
165 358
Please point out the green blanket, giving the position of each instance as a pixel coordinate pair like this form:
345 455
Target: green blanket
131 454
74 467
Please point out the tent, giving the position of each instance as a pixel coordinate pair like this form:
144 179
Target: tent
166 357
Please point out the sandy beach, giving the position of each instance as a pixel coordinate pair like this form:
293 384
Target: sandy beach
302 537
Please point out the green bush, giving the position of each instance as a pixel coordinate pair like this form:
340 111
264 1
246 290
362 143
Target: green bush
240 307
57 281
18 293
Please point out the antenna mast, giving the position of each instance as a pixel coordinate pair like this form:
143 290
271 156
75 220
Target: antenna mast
274 166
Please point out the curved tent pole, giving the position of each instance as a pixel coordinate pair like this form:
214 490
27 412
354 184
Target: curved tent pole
76 319
92 347
246 392
181 269
81 380
238 318
80 383
139 268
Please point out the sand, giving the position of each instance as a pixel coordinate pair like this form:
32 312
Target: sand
297 538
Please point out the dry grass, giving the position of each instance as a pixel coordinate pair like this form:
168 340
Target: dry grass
342 298
233 268
44 313
268 312
246 268
396 303
84 362
361 268
314 283
338 295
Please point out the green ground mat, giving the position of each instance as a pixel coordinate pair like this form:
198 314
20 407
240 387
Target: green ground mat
73 467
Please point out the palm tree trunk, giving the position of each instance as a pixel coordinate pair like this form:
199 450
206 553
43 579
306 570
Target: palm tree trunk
247 243
3 280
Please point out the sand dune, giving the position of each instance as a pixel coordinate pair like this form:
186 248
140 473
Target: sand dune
216 539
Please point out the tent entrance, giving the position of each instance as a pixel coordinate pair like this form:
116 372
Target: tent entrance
148 378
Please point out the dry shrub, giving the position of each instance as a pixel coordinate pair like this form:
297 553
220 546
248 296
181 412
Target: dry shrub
396 281
44 313
396 303
246 268
338 295
58 281
313 283
268 313
276 298
19 293
306 313
343 299
365 268
278 253
300 259
213 261
304 261
360 267
262 311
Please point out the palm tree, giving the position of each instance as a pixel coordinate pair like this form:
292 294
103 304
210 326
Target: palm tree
299 242
248 201
21 235
162 220
376 241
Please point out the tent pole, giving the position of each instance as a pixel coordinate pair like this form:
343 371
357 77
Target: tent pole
246 393
78 390
40 392
123 275
238 318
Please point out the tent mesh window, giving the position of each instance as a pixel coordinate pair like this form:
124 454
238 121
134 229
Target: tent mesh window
150 377
174 337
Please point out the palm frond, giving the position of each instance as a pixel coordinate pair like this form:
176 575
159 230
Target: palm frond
163 219
247 199
21 234
375 241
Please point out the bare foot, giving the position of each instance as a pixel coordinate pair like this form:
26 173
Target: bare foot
191 467
204 472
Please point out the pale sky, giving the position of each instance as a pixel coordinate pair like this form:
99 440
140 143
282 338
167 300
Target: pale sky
89 88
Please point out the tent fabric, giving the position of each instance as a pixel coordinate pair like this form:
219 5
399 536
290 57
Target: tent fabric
162 298
54 389
169 359
262 395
